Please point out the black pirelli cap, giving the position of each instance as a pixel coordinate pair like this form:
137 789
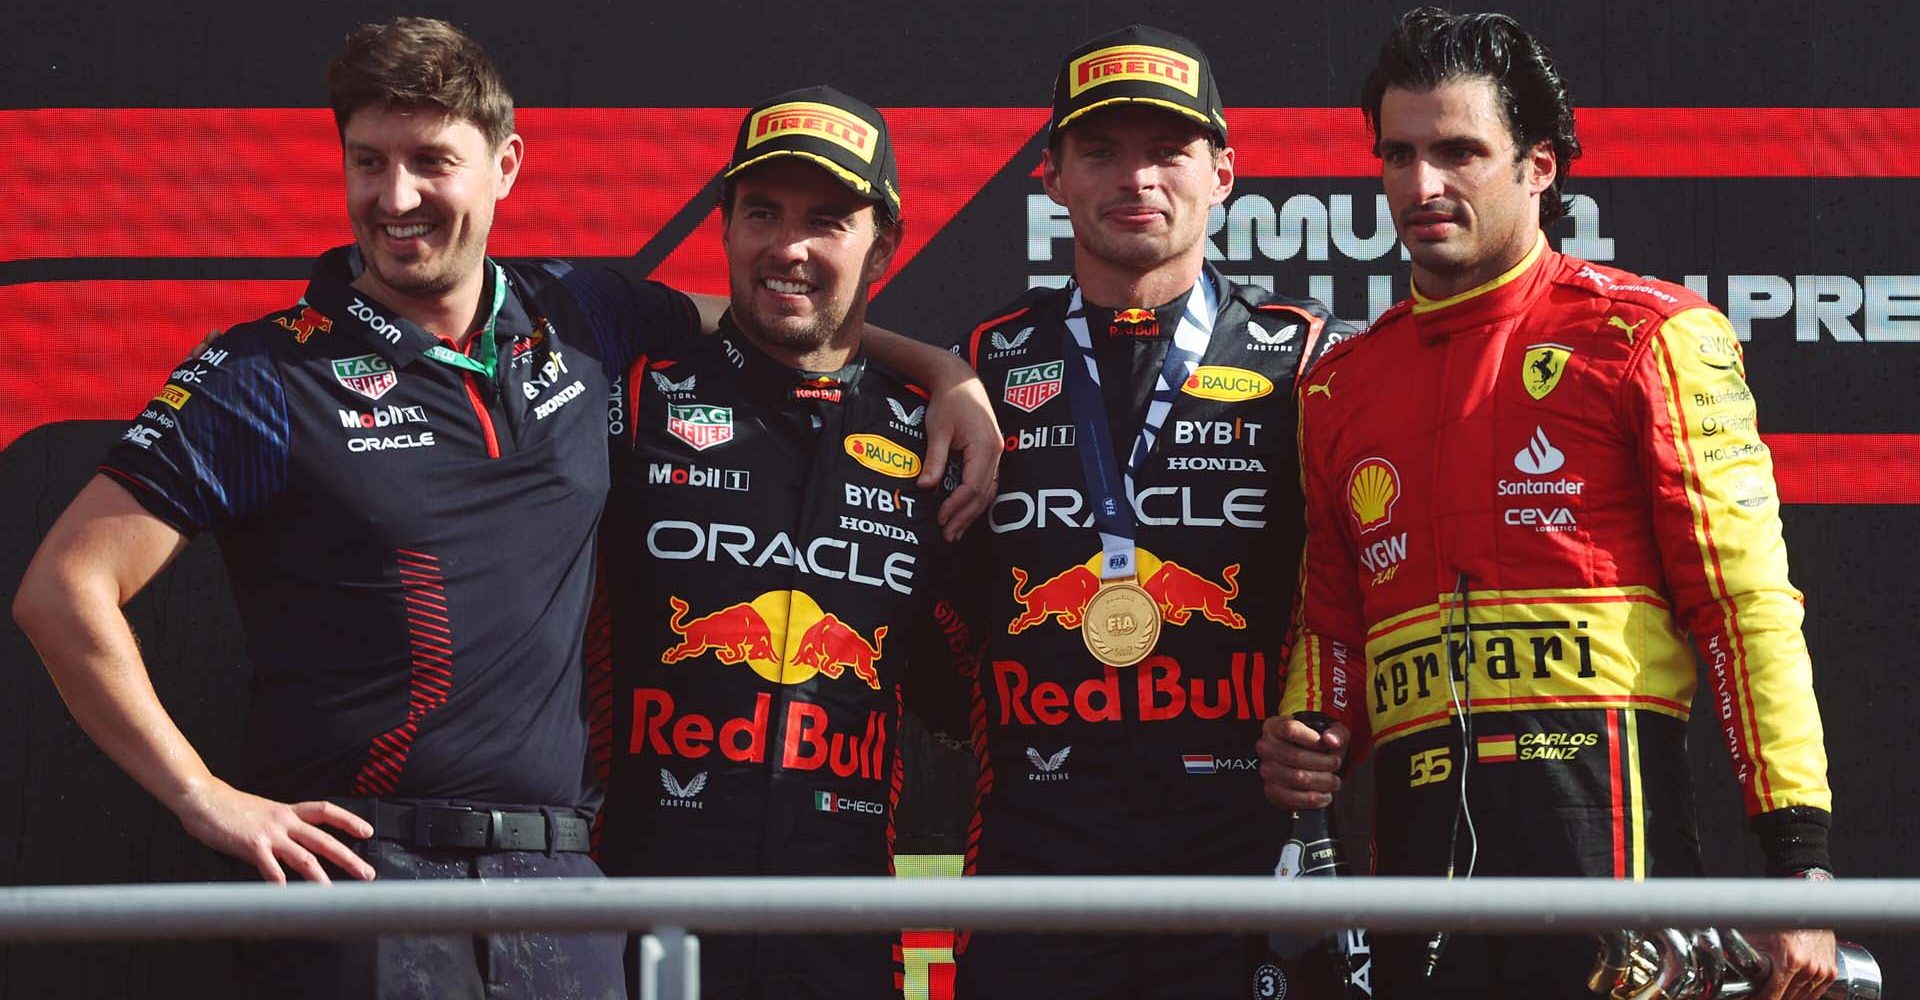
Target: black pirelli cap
1139 65
829 129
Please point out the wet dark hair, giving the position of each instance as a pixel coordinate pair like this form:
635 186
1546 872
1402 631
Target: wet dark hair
420 62
1431 46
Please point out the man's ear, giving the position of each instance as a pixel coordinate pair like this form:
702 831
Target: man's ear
507 160
1050 177
1542 166
885 244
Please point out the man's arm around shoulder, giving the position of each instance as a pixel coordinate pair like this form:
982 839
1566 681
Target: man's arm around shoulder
99 554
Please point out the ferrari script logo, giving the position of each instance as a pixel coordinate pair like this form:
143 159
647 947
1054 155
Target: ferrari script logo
1544 365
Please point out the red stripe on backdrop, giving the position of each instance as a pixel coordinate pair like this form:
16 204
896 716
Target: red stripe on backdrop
110 344
1619 142
265 182
1846 468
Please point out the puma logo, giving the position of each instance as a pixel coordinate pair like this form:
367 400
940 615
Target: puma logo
1624 325
1324 388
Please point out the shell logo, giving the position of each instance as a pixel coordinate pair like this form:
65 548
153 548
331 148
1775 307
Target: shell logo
1371 492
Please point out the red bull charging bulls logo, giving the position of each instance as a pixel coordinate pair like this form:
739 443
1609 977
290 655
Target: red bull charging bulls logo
783 635
1180 592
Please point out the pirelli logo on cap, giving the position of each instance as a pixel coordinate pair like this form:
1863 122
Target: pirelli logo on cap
1145 63
823 121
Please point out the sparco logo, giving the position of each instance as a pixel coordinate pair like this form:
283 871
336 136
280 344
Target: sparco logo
375 322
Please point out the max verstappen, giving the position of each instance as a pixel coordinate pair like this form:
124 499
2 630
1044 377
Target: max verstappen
766 553
1130 587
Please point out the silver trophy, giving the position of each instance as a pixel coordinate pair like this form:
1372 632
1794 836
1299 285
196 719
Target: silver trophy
1671 964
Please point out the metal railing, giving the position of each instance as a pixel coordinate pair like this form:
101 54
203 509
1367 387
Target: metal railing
670 909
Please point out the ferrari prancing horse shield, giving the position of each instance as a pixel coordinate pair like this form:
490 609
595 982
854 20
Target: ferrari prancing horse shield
1544 365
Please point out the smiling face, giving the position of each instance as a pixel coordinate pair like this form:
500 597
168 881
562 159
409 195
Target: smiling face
1137 184
1465 199
801 250
421 189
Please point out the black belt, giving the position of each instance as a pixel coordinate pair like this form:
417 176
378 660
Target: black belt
424 824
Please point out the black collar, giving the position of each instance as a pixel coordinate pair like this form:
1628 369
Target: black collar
779 382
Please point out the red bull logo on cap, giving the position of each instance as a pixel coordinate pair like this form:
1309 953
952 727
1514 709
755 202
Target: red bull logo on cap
822 121
1180 592
1143 63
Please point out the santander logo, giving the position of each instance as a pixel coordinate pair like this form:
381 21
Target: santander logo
1539 457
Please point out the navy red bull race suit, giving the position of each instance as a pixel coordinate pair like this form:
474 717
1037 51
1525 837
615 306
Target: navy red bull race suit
1541 499
409 533
1148 769
767 572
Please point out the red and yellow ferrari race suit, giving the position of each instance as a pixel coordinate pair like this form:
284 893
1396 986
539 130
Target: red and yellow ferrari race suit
1527 499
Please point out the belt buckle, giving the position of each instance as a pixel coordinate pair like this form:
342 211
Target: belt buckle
455 819
496 830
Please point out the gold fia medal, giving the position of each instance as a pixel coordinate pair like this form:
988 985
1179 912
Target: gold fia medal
1121 624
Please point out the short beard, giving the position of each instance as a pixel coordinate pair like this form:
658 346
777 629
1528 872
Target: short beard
438 281
811 337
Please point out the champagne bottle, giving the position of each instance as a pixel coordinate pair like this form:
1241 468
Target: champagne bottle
1335 965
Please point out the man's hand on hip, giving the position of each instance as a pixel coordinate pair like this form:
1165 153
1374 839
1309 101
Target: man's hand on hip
268 834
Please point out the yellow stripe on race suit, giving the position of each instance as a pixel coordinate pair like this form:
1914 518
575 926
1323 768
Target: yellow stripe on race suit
1727 474
1532 650
1635 801
1422 304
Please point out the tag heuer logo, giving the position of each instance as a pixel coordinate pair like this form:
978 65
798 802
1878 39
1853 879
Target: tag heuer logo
1029 388
700 426
369 375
